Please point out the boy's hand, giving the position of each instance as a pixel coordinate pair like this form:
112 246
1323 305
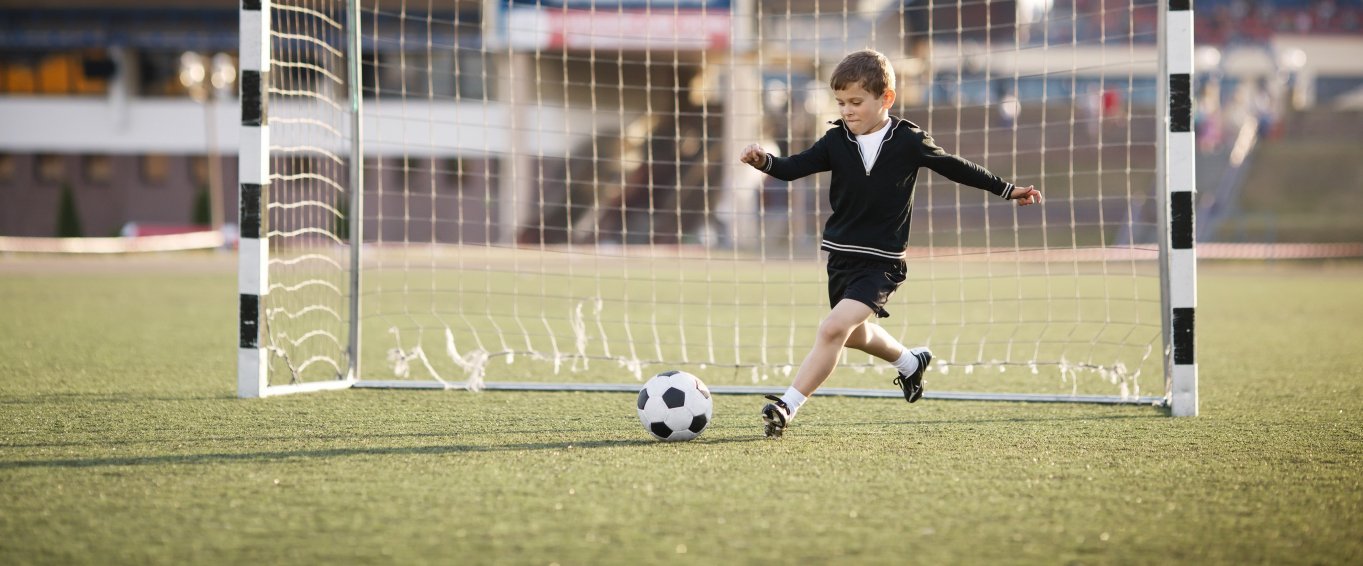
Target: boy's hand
1025 195
754 155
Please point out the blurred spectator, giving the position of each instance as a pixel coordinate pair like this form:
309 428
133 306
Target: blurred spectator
1208 124
1265 108
1112 104
1090 109
1225 22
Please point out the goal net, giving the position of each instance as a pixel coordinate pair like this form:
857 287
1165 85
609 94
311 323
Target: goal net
547 194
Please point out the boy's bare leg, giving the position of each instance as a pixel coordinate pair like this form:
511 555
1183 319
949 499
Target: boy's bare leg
818 365
871 338
828 343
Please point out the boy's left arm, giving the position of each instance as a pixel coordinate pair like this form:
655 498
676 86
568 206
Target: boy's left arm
966 172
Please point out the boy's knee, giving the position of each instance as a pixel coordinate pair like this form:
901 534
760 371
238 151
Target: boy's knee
831 330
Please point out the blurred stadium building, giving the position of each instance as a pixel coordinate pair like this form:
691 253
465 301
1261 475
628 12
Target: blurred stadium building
122 113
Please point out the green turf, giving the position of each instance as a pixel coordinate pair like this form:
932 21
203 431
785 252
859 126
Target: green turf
121 442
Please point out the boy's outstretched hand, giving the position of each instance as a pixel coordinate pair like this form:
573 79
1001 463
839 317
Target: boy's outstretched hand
754 155
1025 195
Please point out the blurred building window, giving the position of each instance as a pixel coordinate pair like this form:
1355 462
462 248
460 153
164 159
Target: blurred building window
55 74
96 68
446 76
472 71
99 169
58 72
451 174
159 74
51 169
155 170
298 168
17 76
9 168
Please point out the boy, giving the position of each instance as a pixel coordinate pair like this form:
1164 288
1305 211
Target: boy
875 159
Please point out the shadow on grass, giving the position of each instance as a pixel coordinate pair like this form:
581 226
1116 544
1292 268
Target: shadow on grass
228 457
106 398
1147 416
1152 415
182 440
846 430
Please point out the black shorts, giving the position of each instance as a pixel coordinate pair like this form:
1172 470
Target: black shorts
869 281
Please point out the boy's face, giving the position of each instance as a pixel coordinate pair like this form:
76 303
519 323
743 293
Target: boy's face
862 111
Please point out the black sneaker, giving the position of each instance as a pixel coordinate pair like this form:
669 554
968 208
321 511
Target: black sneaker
776 415
913 384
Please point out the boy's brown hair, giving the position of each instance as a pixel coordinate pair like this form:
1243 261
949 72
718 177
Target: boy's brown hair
867 68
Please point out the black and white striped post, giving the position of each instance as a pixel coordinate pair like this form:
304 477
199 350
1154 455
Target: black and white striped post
253 175
1177 160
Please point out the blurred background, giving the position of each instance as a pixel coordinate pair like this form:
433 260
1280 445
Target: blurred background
119 117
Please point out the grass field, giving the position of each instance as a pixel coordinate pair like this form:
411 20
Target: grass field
121 442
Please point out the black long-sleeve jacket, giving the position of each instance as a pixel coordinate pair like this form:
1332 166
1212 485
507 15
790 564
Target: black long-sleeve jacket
872 207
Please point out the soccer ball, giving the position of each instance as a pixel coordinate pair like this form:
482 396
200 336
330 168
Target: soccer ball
675 405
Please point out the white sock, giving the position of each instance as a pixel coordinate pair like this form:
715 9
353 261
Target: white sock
793 399
907 364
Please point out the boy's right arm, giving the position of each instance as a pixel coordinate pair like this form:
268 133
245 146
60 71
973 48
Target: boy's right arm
807 162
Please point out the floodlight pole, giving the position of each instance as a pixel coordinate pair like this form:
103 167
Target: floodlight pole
1175 166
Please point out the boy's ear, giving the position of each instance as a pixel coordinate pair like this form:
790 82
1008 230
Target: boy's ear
887 99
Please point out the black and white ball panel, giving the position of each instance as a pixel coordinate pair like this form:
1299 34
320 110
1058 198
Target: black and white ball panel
675 405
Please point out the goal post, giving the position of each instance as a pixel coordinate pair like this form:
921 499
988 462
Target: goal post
296 261
545 195
1178 255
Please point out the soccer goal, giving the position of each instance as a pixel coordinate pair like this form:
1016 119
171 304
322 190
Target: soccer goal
546 195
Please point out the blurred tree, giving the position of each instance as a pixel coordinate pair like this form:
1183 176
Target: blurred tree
68 219
341 225
202 215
